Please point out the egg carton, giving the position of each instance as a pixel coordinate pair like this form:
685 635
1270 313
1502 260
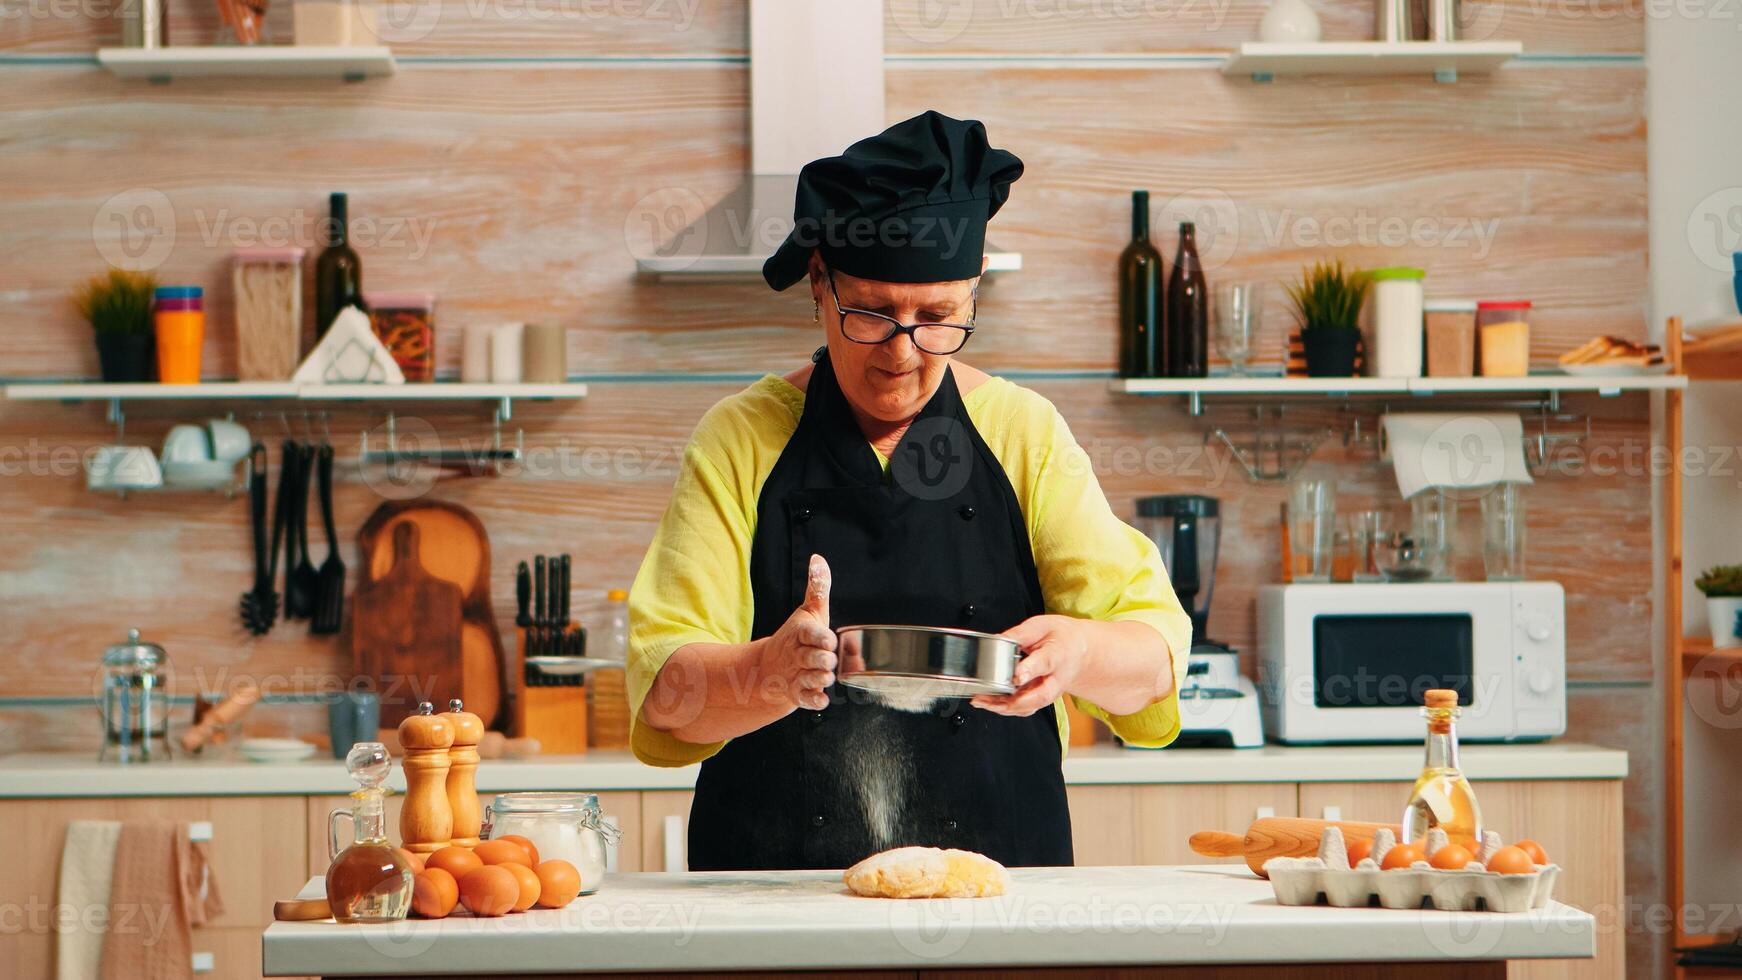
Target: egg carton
1328 877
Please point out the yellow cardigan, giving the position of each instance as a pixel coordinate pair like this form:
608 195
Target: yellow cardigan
694 584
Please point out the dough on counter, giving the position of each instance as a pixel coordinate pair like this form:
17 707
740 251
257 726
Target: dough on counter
927 872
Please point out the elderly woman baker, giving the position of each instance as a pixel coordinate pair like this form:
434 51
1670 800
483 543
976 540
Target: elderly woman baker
887 482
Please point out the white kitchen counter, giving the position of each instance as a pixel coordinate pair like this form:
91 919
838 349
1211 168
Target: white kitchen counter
803 920
65 775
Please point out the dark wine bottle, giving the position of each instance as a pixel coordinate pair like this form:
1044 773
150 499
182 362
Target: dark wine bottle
1188 308
338 271
1141 354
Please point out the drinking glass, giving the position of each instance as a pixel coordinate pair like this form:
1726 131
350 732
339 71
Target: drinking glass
1312 524
1238 306
1368 531
1434 526
1503 533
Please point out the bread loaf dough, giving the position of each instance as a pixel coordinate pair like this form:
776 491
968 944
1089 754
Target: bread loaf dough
927 872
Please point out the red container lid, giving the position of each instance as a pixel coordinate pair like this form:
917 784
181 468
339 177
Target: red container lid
1509 304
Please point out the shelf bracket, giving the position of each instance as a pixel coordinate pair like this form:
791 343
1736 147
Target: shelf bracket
1446 76
504 409
117 417
1263 76
1195 404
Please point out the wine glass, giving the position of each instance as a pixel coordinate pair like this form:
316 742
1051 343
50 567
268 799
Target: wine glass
1238 307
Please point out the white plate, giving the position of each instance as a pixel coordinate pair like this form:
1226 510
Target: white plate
201 474
1600 370
570 666
275 749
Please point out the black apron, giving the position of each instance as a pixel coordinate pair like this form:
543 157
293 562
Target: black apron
939 540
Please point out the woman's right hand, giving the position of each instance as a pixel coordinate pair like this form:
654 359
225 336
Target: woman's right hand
798 660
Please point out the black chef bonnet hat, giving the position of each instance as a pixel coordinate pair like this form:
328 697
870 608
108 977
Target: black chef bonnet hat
907 205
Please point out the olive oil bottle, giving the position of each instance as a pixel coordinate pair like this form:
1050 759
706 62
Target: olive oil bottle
1442 797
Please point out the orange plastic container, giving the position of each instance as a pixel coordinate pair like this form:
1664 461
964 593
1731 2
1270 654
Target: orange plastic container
180 321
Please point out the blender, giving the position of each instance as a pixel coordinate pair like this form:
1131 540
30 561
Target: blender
1218 706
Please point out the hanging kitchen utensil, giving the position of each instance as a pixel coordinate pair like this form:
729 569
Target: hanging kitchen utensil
454 548
308 579
297 601
330 595
522 595
259 604
405 631
280 515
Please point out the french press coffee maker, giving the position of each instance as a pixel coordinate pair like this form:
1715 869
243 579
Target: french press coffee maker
135 701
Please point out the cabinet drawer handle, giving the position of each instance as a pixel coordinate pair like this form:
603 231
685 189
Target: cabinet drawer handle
204 963
674 844
1333 813
1265 813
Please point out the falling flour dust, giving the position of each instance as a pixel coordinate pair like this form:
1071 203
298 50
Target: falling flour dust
880 772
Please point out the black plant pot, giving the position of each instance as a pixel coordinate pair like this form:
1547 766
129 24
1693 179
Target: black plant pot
1330 353
127 356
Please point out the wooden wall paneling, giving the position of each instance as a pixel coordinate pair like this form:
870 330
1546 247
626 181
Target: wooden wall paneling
1140 27
1271 177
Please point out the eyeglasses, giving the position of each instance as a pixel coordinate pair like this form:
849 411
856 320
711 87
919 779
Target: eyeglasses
871 329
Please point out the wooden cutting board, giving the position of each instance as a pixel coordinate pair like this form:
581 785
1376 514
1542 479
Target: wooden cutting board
1280 837
455 549
405 632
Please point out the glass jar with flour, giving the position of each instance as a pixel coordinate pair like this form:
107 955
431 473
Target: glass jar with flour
569 826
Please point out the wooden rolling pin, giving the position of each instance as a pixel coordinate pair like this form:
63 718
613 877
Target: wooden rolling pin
1279 837
301 910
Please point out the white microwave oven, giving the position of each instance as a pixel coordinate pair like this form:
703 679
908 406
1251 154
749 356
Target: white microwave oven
1350 662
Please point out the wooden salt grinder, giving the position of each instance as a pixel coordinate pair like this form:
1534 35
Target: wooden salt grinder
463 774
426 822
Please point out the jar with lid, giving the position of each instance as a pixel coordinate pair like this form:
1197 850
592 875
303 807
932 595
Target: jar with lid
1503 338
1394 342
569 826
135 701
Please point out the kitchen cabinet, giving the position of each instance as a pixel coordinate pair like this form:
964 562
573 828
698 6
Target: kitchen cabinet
1150 824
1578 821
665 816
257 854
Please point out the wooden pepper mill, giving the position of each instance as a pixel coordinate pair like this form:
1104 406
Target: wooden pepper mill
463 774
426 822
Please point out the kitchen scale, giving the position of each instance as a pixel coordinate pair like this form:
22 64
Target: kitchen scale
1218 705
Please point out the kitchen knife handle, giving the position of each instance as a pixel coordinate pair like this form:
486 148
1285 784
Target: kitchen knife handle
523 595
562 592
538 590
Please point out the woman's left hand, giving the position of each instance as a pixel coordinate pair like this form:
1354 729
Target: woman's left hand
1057 652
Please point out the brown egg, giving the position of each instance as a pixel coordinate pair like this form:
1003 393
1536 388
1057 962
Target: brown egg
527 880
1358 851
500 852
489 891
434 893
1511 861
558 882
1402 856
526 845
409 859
1532 848
1451 857
456 861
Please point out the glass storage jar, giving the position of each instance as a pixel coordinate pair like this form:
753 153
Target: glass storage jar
569 826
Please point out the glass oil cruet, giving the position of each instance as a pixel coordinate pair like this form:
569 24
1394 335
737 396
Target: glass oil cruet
1442 797
367 881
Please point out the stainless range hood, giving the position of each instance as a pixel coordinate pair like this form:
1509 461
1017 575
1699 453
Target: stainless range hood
816 85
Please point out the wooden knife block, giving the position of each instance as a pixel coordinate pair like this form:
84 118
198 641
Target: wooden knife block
555 715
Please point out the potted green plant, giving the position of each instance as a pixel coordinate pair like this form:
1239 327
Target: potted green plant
117 304
1327 302
1722 586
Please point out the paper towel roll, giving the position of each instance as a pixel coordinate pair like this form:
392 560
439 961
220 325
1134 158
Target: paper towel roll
1429 449
505 352
475 352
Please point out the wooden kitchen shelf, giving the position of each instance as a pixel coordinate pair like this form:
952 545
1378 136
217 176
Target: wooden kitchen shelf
243 390
1699 649
1271 385
352 64
1444 60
